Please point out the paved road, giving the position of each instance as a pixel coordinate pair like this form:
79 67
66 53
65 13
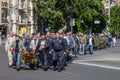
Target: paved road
103 65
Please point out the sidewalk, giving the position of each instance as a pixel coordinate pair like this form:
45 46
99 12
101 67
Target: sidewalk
113 52
118 40
105 58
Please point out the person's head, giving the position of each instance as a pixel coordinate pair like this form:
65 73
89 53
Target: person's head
68 35
84 36
91 36
57 35
48 34
42 37
12 33
53 35
35 37
17 37
38 33
61 35
31 36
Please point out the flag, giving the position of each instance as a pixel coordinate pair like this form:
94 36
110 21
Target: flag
89 31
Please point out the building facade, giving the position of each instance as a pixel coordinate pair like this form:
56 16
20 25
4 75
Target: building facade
18 16
3 16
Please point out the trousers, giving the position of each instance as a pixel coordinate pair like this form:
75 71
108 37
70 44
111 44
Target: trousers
17 58
10 58
58 59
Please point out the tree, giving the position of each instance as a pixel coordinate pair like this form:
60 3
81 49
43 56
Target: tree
49 15
114 19
93 12
57 13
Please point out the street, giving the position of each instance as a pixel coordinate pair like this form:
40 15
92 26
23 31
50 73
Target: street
102 65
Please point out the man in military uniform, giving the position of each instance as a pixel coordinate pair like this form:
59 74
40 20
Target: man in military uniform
8 44
49 39
59 48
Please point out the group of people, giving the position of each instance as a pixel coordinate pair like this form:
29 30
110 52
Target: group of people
52 49
112 41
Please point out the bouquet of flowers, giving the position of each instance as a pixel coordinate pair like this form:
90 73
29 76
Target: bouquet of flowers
28 57
12 50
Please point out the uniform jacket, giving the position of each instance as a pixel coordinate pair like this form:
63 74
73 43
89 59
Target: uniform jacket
27 44
59 44
83 40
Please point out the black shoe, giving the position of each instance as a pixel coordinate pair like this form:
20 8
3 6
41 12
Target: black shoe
18 69
59 70
76 57
45 69
10 66
35 68
91 53
54 69
14 64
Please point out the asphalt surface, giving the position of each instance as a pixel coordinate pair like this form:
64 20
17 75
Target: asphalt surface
102 65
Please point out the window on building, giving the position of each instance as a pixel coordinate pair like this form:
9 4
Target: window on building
4 14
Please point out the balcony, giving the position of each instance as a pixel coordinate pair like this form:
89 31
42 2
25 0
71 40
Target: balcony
28 9
5 2
29 22
4 20
21 22
22 8
4 5
11 5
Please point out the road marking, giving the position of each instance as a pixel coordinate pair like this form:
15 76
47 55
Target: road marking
96 65
104 59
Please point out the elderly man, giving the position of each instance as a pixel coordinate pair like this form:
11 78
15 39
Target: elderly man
8 44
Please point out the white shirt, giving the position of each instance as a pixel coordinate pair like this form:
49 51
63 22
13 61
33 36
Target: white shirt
43 43
90 41
114 39
33 45
68 42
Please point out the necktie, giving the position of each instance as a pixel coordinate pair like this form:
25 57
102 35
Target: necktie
35 41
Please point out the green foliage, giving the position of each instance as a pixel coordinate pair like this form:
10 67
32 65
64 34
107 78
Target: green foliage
114 19
93 11
57 13
48 13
